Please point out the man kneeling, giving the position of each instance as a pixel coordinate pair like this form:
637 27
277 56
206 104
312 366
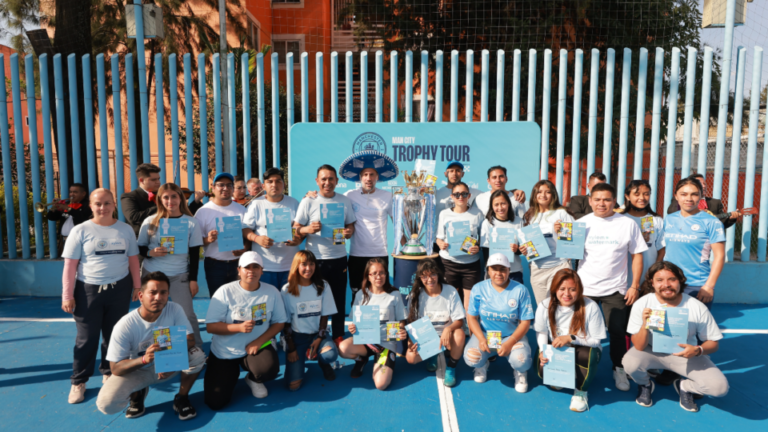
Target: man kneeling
131 353
665 283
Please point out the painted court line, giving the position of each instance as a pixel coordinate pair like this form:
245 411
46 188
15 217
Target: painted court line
447 409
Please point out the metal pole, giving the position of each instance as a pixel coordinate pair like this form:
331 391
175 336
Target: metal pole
224 82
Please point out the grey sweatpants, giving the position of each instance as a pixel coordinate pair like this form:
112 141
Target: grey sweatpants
704 378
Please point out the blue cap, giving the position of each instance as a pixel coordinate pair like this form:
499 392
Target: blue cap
224 175
452 163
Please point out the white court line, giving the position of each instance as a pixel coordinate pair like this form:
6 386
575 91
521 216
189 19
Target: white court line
740 331
447 409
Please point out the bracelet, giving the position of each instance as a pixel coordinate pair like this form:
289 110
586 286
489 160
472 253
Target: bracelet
701 351
143 361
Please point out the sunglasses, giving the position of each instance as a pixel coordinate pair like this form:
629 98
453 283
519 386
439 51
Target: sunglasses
461 195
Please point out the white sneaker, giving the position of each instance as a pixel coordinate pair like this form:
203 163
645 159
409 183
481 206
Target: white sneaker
622 383
481 373
104 379
77 393
259 390
521 382
579 401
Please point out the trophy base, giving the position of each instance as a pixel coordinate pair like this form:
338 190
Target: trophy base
414 249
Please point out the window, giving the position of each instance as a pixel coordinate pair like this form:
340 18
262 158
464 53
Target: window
287 4
283 44
253 35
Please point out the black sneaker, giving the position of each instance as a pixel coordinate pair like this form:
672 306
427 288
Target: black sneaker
328 371
185 409
357 369
137 404
686 398
666 378
644 394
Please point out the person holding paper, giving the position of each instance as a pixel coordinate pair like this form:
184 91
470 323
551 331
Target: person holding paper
462 269
500 307
331 256
173 219
666 284
257 225
308 302
497 180
693 236
220 267
546 212
431 297
568 319
500 215
101 266
243 317
133 350
376 290
611 240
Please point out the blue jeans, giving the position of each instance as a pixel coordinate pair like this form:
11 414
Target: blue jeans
218 273
295 371
693 291
519 358
276 279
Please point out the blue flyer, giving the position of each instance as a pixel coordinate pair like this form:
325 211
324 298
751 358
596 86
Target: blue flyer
560 371
173 234
456 233
331 217
570 240
279 224
230 233
675 332
172 356
533 239
423 333
500 241
367 328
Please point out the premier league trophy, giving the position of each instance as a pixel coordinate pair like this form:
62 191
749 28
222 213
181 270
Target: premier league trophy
414 204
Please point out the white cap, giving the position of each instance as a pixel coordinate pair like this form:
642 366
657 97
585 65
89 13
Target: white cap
497 259
251 257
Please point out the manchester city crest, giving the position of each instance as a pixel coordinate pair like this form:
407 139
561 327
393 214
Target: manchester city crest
369 141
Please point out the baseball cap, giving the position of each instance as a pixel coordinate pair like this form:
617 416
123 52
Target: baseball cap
226 175
497 259
251 257
452 163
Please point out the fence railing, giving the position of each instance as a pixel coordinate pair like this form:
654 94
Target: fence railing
68 139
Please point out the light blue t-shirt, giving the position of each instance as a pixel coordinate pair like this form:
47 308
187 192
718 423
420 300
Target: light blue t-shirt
231 304
689 243
171 265
103 251
391 309
500 311
279 256
132 335
310 211
306 310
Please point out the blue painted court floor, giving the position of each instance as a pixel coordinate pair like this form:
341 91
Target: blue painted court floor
36 341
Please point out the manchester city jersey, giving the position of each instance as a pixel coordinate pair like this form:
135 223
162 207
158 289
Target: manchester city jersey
689 243
500 311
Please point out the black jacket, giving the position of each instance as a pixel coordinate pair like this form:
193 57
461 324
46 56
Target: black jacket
137 207
78 216
579 206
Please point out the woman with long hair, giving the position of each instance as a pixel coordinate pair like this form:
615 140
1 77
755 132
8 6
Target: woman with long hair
501 215
545 211
568 319
308 303
637 198
376 290
433 298
159 236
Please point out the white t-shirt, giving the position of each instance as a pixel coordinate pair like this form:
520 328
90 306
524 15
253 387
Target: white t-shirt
171 265
442 309
391 309
655 243
305 311
475 219
207 216
609 242
279 256
483 203
593 321
132 335
546 222
232 304
309 211
103 251
486 230
371 211
701 323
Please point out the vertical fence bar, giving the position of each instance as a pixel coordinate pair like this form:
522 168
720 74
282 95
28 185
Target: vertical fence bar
642 83
545 111
90 146
202 102
725 87
143 96
305 88
408 86
289 103
50 189
733 179
706 92
118 131
364 87
334 87
173 90
749 180
7 182
578 79
379 87
319 85
469 103
594 77
393 87
669 174
516 86
275 112
626 70
188 121
245 77
454 86
34 154
762 228
131 111
103 135
439 86
610 73
424 83
500 85
348 87
531 114
61 138
217 111
261 153
690 93
21 175
658 87
484 59
74 119
160 103
232 117
562 82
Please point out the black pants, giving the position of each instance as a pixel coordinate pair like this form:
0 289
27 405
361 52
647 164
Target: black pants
222 374
616 313
587 359
97 309
218 273
356 268
334 271
462 276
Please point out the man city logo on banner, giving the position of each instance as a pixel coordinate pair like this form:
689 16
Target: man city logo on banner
369 141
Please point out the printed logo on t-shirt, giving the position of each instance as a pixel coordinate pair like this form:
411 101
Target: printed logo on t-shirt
239 315
695 227
309 308
512 303
439 317
143 345
111 246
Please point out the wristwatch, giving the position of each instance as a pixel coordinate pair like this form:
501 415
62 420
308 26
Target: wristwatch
701 351
573 338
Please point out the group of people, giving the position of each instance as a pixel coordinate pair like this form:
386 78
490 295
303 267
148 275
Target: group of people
296 290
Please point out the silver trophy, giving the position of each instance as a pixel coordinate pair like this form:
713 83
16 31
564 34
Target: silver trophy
414 211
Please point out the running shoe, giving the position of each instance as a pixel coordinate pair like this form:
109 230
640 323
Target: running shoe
76 393
686 398
579 401
183 407
136 409
450 377
259 390
481 373
644 394
620 377
357 369
521 382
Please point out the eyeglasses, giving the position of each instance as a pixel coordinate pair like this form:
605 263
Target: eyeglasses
224 185
428 276
461 195
377 274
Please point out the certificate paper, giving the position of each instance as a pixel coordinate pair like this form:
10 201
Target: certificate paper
367 330
500 241
675 332
456 233
279 224
174 235
230 233
173 356
535 243
560 371
423 333
572 247
331 218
